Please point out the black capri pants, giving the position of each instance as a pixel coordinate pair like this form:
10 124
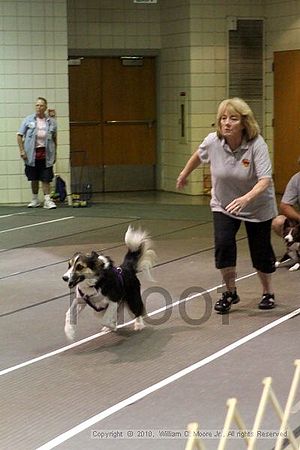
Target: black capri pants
259 242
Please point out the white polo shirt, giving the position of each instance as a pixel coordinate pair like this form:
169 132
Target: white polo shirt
234 173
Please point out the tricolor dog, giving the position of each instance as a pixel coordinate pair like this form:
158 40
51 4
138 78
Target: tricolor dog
292 239
103 286
291 235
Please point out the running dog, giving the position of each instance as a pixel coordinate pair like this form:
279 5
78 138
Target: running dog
291 235
104 287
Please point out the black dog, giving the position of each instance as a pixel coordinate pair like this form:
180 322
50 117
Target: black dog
104 287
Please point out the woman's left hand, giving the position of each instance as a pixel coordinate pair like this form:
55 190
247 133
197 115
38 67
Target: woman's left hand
237 205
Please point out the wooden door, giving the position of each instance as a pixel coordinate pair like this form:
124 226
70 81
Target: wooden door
112 121
286 116
129 101
85 92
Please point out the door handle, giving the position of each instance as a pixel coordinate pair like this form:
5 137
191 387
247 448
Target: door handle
148 122
85 122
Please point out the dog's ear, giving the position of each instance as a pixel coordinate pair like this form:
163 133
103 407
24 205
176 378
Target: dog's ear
286 226
296 233
104 261
94 255
76 254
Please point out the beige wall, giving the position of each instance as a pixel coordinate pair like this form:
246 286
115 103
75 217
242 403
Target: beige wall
33 62
282 33
113 24
198 65
204 27
190 36
175 78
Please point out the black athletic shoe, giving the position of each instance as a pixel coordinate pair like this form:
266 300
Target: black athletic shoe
267 302
224 304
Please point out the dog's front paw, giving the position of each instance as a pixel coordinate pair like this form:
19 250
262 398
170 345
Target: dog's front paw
139 324
109 325
277 264
70 331
294 267
110 316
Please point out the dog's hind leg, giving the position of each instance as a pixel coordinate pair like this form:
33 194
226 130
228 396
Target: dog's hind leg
72 317
136 306
294 267
109 318
139 324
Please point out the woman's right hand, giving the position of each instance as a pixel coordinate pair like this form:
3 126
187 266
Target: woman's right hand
192 163
181 181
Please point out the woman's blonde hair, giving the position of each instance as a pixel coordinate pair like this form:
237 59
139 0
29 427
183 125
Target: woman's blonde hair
238 106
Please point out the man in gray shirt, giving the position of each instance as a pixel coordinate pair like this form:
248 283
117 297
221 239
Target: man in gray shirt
289 209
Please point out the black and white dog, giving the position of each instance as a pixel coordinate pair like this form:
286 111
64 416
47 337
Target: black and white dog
103 286
291 235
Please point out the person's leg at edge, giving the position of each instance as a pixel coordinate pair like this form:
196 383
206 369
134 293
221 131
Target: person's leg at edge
278 224
35 190
229 276
266 281
263 259
35 187
46 188
48 203
268 298
47 176
32 176
225 229
229 296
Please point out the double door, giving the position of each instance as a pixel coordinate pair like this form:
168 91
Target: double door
113 123
286 116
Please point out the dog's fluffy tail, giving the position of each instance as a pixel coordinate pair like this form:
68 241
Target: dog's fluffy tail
139 243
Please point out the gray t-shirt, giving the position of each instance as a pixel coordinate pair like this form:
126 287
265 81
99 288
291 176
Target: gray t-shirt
291 194
234 173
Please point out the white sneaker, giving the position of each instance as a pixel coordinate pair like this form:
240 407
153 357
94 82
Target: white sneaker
35 203
49 204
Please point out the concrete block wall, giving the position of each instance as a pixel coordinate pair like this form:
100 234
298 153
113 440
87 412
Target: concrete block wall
190 37
113 25
33 62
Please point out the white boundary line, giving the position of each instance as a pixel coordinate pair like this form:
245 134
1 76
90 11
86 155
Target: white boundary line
155 387
101 333
145 392
36 224
10 215
54 353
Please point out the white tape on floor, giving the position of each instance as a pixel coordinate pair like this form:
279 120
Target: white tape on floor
10 215
95 336
155 387
36 224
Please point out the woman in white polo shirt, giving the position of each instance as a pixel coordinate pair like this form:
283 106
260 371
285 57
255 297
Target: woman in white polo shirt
242 191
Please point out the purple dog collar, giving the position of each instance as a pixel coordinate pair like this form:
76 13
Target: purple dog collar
119 272
86 298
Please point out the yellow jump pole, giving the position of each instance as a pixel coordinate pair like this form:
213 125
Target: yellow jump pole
193 440
232 414
260 411
287 411
280 414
